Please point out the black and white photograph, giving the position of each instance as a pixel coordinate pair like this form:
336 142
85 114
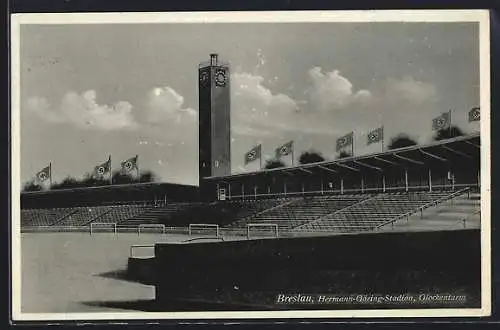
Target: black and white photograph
208 165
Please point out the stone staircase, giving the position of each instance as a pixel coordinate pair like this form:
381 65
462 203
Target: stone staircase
153 215
460 212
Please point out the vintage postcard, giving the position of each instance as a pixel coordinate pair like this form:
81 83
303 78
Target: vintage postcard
231 165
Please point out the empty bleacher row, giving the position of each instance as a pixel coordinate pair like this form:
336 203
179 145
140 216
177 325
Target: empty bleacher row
221 212
153 215
305 214
79 216
171 214
122 213
372 212
300 210
43 217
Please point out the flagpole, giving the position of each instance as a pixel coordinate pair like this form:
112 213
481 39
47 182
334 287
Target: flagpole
449 129
352 144
50 175
110 171
382 138
260 157
137 165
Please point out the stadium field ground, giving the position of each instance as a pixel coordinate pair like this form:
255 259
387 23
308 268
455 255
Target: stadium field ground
72 272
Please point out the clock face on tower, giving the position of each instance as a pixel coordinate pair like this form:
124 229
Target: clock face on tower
204 77
220 77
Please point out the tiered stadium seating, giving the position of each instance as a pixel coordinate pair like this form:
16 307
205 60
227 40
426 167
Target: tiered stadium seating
234 211
220 212
297 211
43 217
121 213
312 214
372 212
244 209
152 215
82 216
462 212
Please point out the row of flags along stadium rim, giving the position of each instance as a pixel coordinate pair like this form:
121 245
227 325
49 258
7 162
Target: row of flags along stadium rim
100 170
45 173
127 166
443 121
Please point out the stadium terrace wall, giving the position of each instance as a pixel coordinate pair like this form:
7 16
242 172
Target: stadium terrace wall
395 262
110 195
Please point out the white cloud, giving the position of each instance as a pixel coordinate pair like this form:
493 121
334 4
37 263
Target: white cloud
166 104
173 124
249 92
255 108
409 90
332 106
83 111
331 91
41 107
400 99
258 111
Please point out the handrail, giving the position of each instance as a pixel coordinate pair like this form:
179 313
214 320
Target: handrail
435 202
144 203
254 215
464 220
203 238
448 197
347 191
96 217
133 216
63 217
370 197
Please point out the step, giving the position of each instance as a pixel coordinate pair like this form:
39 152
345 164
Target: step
465 202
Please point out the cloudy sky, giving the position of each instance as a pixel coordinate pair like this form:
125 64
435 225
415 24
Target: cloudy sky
89 91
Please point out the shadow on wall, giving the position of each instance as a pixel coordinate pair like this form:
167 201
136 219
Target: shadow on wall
173 306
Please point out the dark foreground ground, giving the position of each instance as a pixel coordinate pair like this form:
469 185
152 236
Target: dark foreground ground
76 272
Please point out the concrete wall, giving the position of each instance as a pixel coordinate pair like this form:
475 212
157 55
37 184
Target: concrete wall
109 195
312 264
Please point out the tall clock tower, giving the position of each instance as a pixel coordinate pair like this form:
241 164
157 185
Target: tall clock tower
214 119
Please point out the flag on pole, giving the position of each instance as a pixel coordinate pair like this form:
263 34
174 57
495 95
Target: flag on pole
475 114
284 150
44 174
345 141
129 164
254 154
101 170
442 122
375 136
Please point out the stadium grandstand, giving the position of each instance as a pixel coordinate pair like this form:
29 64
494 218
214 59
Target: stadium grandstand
446 164
347 195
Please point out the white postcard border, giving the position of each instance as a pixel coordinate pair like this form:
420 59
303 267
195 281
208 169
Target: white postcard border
480 16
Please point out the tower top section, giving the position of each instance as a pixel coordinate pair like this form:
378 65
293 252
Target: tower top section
214 61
